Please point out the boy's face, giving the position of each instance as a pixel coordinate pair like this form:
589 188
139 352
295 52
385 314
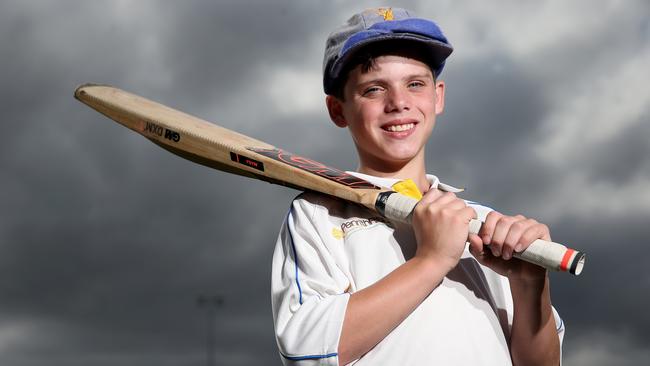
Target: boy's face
390 110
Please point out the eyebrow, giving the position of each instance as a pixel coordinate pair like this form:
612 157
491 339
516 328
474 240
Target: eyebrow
420 76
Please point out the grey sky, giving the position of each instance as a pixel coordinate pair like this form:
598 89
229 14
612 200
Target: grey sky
107 240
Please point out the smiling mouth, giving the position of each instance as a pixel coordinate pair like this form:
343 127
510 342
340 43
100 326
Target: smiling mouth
399 128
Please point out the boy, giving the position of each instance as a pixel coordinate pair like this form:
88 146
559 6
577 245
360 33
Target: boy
350 287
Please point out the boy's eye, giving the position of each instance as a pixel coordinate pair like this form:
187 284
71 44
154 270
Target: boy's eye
372 90
415 84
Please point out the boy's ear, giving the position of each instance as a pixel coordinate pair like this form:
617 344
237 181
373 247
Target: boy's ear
335 109
440 96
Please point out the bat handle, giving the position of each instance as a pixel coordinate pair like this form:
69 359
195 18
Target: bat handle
550 255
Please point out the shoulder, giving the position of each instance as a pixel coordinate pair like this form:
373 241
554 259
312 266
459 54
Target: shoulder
315 199
316 205
330 218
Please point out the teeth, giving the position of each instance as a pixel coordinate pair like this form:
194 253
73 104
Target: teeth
398 128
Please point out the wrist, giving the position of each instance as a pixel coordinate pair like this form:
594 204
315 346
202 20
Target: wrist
528 279
439 265
527 273
528 287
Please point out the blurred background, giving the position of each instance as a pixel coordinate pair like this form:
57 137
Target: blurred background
115 252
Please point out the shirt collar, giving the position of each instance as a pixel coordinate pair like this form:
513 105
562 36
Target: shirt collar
434 182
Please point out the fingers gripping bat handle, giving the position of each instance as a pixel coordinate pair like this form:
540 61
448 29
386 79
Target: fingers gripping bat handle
550 255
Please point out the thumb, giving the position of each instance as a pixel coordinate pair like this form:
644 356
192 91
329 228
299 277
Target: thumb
475 244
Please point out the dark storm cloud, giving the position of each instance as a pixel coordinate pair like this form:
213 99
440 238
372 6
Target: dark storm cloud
107 240
614 285
234 39
623 158
621 33
487 130
501 103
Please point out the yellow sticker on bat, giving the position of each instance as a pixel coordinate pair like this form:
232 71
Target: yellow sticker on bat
408 188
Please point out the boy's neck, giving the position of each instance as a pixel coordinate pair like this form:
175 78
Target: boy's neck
414 169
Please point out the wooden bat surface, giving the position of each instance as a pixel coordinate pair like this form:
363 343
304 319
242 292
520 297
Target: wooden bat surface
216 147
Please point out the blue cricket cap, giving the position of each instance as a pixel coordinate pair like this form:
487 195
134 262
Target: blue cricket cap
379 25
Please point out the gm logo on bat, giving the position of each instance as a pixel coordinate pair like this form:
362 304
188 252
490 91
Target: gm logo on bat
153 128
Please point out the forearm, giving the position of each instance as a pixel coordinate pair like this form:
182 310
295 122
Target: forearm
534 339
375 311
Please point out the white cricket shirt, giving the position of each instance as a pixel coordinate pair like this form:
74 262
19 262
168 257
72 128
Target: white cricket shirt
329 248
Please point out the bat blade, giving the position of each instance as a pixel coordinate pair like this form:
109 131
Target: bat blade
214 146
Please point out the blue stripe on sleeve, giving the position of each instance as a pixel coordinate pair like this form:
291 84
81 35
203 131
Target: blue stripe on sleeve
308 357
295 255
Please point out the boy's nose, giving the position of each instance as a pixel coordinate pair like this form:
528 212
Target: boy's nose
396 100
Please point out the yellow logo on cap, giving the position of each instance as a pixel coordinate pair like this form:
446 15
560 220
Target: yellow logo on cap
387 13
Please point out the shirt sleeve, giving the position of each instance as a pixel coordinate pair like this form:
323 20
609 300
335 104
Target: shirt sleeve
308 291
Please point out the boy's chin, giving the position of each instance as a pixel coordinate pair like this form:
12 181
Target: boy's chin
388 156
397 158
401 155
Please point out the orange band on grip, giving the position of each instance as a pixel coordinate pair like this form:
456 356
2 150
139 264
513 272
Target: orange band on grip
564 265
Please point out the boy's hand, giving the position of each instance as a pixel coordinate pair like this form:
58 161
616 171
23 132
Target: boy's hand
506 235
441 223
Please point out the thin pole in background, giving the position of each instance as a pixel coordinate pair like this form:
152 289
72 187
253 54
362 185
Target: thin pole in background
211 303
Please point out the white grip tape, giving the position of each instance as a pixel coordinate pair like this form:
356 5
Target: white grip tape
400 207
547 254
553 256
543 253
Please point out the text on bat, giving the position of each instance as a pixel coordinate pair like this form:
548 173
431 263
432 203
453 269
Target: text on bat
163 132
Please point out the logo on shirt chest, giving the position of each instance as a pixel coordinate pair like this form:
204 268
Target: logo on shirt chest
357 224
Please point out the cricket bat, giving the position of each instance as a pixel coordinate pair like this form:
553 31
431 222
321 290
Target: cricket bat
222 149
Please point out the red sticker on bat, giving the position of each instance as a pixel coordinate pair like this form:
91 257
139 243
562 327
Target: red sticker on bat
241 159
315 167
